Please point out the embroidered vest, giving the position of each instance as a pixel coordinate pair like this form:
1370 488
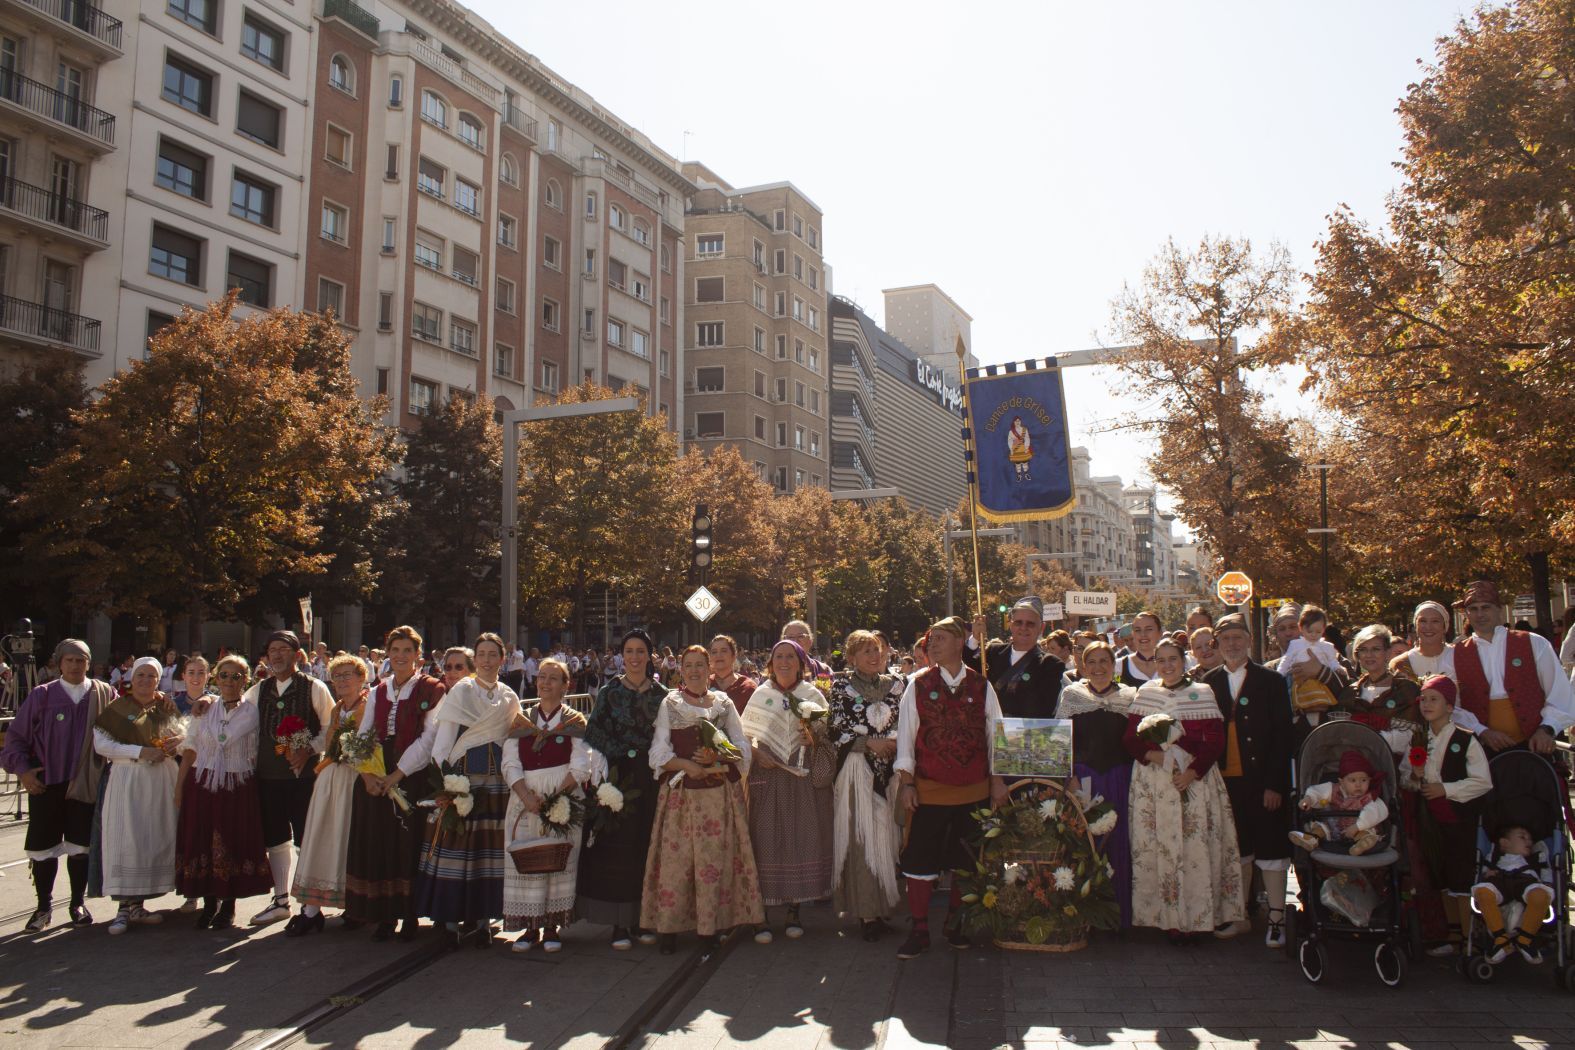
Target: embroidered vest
950 747
551 747
1520 681
409 719
272 708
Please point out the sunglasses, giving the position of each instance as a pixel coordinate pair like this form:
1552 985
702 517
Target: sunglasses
230 676
455 667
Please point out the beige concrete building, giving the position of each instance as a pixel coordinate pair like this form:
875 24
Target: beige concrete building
929 322
757 371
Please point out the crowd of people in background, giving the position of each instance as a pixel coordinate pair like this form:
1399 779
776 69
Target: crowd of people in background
487 788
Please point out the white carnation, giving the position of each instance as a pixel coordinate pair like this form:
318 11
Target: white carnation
1104 825
456 784
862 730
1013 874
464 804
609 797
1048 808
559 813
1064 879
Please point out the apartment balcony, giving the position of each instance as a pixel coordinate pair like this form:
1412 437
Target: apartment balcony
353 15
38 325
514 119
51 215
87 124
435 59
596 167
75 20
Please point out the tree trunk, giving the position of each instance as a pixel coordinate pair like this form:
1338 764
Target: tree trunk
1541 590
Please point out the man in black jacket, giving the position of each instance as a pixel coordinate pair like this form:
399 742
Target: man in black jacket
1027 680
1256 706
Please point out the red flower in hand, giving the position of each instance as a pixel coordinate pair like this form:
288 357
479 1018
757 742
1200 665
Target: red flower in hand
289 725
1418 757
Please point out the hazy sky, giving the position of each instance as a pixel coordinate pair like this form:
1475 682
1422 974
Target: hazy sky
1027 157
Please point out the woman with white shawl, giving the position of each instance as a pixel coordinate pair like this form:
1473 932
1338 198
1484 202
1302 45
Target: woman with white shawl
460 877
1186 867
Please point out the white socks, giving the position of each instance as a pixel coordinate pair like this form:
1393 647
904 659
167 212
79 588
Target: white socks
279 865
1274 888
310 911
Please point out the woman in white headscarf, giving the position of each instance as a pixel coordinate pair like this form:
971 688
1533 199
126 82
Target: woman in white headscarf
1433 653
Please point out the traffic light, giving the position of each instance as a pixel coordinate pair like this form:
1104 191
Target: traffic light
1000 608
700 544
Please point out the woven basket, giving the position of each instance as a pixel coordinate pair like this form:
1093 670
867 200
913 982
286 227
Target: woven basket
1078 943
1071 940
545 855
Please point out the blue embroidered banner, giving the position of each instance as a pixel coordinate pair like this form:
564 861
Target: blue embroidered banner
1022 460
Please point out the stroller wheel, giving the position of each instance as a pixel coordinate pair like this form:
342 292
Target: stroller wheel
1314 960
1478 969
1389 961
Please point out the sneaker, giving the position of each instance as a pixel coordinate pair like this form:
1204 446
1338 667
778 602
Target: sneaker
1528 951
793 931
1500 951
189 905
1275 936
120 923
80 916
523 943
647 937
917 944
1233 929
40 920
958 939
143 917
621 941
551 940
763 935
278 909
1443 951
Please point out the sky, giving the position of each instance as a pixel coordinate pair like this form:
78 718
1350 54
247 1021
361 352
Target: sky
1030 158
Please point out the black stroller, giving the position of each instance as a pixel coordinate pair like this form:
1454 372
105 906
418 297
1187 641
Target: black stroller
1346 898
1528 791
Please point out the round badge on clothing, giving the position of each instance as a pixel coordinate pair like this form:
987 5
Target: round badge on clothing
1515 662
1454 747
423 705
1026 676
280 705
1242 701
934 695
60 716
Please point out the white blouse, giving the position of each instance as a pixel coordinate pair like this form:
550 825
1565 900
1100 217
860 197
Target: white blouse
583 759
678 713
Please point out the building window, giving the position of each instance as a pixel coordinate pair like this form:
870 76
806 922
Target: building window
504 294
503 360
798 394
782 435
814 238
760 340
588 323
664 361
640 287
467 197
330 297
462 338
336 146
640 343
261 42
667 259
423 395
781 348
396 92
641 231
470 131
467 396
509 170
665 310
798 309
553 195
781 304
552 253
590 205
814 319
467 266
814 443
258 120
760 428
779 261
617 273
187 86
814 401
760 385
554 134
615 332
709 425
709 290
182 171
590 262
709 380
202 14
426 322
385 315
252 199
760 297
814 360
175 256
798 227
798 350
549 377
253 277
708 245
433 109
615 216
391 165
429 251
798 266
708 333
390 232
341 74
814 278
507 227
430 178
550 314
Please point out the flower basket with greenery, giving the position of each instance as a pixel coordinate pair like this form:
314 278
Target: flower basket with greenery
1040 881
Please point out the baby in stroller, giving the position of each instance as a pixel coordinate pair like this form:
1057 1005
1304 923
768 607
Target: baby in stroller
1360 809
1517 876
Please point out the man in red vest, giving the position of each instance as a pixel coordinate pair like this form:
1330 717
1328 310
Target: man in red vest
945 733
1510 681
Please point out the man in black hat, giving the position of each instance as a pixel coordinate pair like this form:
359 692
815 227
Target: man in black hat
1026 678
284 782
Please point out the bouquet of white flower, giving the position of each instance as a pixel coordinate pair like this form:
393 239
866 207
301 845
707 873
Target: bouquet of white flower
561 812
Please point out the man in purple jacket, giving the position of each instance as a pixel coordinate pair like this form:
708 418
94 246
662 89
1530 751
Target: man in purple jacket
50 749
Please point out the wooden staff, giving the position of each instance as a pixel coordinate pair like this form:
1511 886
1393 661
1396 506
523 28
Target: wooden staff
973 474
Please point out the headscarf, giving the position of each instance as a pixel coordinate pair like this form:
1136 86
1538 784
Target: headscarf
287 637
147 661
1353 761
798 650
1435 606
1479 591
75 647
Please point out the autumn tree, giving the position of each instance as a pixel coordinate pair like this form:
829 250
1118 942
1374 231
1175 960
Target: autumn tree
744 540
819 539
442 542
202 470
1200 328
1447 342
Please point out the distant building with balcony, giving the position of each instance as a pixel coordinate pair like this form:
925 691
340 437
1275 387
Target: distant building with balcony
1155 561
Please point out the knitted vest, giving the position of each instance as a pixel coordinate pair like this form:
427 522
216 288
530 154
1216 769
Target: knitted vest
411 716
1520 680
272 708
950 747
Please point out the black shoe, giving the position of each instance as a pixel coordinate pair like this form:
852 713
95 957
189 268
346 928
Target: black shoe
917 944
871 930
40 920
384 931
224 918
669 943
957 938
303 924
80 916
483 934
407 929
210 908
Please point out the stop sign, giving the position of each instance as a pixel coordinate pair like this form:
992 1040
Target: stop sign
1234 588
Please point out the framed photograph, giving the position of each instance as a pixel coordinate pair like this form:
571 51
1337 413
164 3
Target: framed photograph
1033 747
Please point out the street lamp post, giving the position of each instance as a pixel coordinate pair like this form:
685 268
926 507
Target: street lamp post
509 605
1323 532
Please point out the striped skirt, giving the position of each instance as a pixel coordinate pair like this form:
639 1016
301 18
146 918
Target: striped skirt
460 876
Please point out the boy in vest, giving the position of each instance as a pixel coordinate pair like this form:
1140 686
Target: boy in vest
1510 681
945 735
1454 781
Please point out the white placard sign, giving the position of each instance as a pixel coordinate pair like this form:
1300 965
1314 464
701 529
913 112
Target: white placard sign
1091 603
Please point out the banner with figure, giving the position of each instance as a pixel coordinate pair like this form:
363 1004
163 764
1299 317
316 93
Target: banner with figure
1020 451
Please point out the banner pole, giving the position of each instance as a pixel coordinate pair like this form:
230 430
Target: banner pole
973 480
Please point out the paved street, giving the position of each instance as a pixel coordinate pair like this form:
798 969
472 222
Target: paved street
172 986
